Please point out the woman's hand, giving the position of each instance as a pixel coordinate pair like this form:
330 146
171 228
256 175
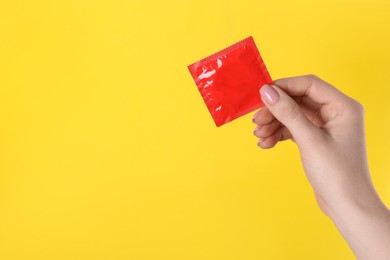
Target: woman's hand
328 128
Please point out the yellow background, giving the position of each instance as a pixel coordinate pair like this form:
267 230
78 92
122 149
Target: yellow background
107 150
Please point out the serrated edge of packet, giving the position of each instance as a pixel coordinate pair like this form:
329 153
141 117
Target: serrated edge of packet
218 53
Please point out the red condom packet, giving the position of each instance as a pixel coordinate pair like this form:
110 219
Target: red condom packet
229 81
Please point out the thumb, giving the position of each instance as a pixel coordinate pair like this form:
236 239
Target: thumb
287 111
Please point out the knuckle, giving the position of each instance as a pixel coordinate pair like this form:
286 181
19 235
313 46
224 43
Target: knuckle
312 81
357 107
312 77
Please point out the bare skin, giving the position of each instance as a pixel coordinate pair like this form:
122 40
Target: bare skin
328 128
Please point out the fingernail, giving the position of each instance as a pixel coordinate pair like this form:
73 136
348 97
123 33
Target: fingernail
261 141
269 94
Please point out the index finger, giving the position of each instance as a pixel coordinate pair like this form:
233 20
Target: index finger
311 86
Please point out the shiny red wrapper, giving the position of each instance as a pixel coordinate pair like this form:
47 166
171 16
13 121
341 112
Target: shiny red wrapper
229 81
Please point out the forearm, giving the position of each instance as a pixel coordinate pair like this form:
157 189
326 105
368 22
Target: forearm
364 222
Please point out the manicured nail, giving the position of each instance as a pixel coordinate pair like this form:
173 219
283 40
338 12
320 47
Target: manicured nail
260 143
269 94
253 118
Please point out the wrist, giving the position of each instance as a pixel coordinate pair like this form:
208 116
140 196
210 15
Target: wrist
364 222
362 200
363 196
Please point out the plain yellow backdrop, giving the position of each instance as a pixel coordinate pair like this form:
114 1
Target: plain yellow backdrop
107 150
